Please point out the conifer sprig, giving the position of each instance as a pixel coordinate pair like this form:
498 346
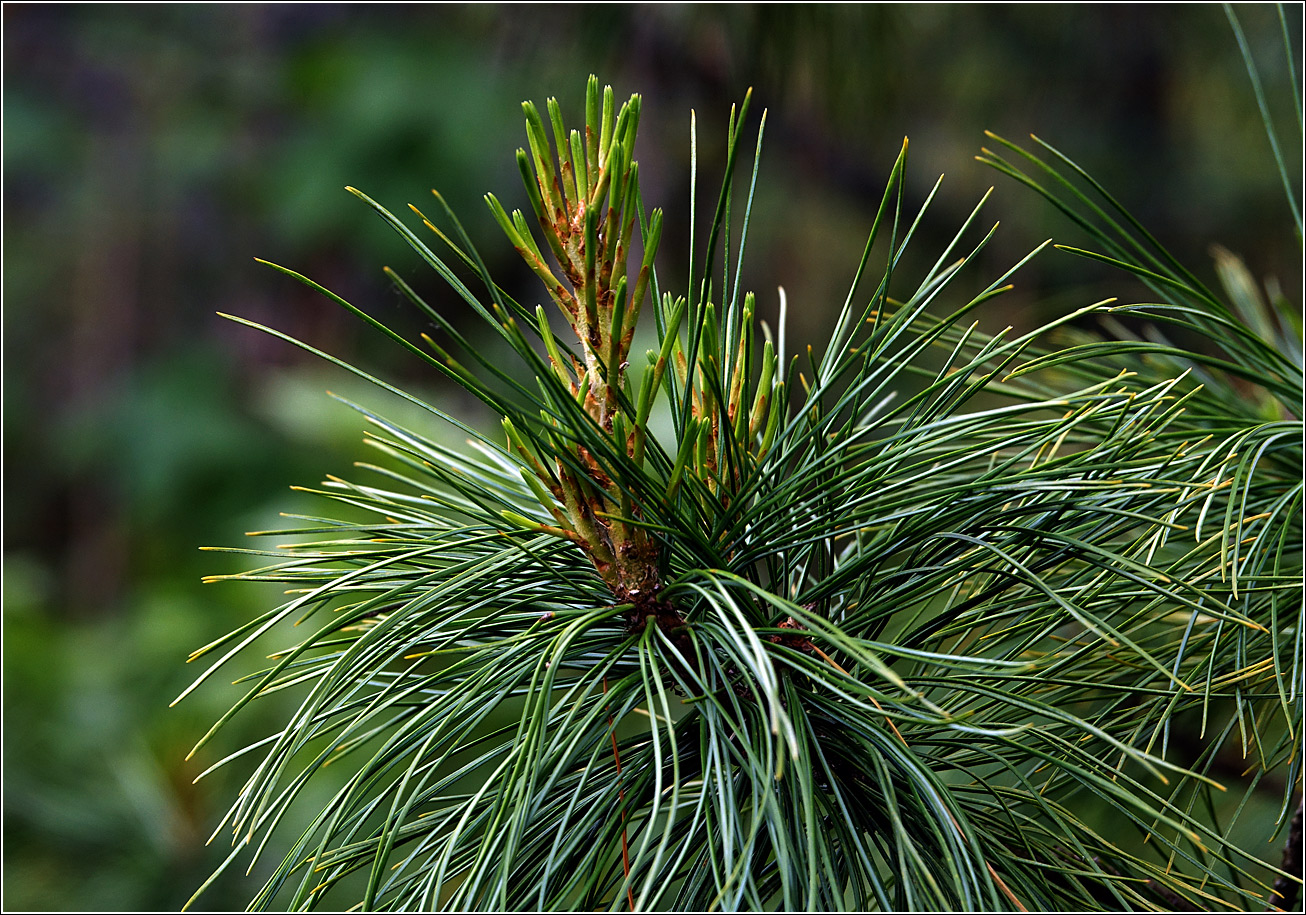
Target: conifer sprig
893 623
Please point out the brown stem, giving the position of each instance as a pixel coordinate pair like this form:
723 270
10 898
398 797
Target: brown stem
621 797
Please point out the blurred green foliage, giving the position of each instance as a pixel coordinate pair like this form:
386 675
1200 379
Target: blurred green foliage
150 152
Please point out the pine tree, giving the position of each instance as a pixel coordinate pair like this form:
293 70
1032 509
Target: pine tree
886 623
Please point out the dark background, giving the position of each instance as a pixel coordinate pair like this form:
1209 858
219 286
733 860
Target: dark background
151 152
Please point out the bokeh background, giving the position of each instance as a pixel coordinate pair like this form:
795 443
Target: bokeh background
151 152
